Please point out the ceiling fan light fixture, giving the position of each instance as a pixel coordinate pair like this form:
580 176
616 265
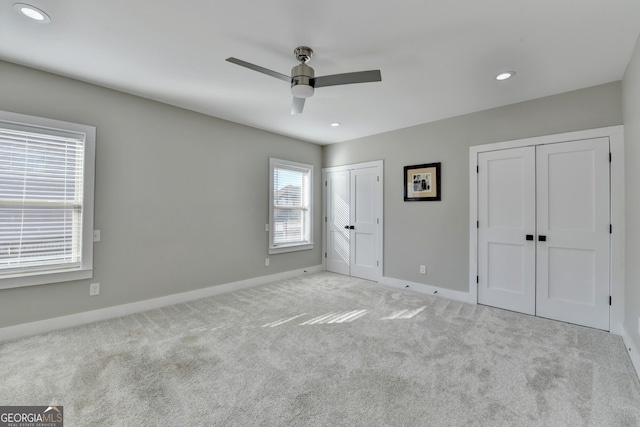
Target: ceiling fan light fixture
335 124
506 75
302 91
32 12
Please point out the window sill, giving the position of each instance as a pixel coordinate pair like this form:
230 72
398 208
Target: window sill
44 277
290 248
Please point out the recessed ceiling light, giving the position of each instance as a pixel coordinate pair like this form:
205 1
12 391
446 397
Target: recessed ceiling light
506 75
32 12
335 124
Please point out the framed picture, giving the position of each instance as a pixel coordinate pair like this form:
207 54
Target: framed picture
422 183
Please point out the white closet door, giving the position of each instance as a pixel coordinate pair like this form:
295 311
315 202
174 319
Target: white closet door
353 201
338 221
573 217
364 220
506 214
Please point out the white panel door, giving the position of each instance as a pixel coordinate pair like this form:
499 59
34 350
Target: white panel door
364 220
573 217
353 229
338 205
506 228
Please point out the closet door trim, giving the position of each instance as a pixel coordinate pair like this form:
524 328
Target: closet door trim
616 143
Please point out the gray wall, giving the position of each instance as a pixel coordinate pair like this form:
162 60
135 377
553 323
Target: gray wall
631 105
437 233
174 216
181 198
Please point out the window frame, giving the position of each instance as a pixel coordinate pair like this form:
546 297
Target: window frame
307 244
41 276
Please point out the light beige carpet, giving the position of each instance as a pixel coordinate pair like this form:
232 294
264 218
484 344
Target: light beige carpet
325 350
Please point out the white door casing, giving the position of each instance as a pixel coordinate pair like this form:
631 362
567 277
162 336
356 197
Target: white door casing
352 235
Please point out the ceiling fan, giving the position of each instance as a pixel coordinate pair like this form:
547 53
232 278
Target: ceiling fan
303 80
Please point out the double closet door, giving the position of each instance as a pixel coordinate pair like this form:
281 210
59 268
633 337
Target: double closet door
544 231
353 220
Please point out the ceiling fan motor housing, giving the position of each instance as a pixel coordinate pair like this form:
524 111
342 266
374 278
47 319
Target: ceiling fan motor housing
301 85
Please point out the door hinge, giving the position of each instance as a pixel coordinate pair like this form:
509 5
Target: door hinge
325 183
477 224
325 219
477 169
378 178
378 220
377 263
610 156
610 228
477 279
609 299
325 254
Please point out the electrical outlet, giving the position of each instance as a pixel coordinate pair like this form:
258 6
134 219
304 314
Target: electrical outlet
96 235
94 289
423 269
266 262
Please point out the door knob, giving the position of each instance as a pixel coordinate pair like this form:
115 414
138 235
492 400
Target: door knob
542 238
529 236
349 227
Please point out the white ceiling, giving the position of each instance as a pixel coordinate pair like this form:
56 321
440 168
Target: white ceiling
438 57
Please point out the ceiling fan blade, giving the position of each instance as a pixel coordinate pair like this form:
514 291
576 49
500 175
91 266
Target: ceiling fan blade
297 105
260 69
348 78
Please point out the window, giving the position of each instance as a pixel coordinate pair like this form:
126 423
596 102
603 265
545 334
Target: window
46 200
290 206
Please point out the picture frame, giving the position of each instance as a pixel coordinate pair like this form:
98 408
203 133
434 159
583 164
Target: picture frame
422 183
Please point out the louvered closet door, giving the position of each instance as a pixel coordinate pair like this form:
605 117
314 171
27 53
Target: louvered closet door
573 217
506 215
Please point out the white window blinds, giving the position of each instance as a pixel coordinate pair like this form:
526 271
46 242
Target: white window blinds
41 200
290 205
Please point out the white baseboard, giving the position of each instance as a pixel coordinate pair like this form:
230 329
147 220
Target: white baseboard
616 328
428 289
632 350
42 326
